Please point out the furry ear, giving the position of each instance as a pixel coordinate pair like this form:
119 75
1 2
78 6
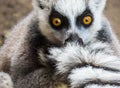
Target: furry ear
39 4
98 5
42 4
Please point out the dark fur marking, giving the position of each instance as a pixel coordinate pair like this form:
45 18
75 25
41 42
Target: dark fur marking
79 66
37 42
79 19
99 50
40 4
64 20
98 67
103 36
100 83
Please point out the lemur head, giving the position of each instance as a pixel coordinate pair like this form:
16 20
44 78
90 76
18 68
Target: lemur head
59 18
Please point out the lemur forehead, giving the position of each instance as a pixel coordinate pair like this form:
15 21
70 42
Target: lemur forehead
73 7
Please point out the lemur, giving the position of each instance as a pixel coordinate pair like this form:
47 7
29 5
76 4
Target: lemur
49 24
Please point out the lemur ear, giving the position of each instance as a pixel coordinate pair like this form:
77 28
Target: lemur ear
42 4
98 5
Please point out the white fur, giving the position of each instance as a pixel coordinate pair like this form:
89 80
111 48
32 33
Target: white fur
101 86
84 75
5 81
73 54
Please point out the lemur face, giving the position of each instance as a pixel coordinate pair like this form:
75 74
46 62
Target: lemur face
59 18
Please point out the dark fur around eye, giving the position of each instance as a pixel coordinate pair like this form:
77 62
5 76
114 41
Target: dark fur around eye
64 20
79 19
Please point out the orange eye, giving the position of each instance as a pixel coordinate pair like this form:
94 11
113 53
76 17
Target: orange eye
57 22
87 20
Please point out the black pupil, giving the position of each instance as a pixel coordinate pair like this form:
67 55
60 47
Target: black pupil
86 20
57 21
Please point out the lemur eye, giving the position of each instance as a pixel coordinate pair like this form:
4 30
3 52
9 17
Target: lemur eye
87 20
56 22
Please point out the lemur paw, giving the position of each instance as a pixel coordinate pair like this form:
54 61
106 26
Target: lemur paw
5 80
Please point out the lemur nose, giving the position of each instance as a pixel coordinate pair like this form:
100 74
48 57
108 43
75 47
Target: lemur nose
74 38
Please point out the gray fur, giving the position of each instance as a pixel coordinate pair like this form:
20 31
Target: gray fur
23 55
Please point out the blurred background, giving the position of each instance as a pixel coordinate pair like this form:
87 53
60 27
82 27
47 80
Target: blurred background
11 11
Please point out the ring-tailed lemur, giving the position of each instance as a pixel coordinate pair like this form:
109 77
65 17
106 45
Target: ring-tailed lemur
24 53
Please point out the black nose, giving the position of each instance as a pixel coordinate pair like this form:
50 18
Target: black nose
74 38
